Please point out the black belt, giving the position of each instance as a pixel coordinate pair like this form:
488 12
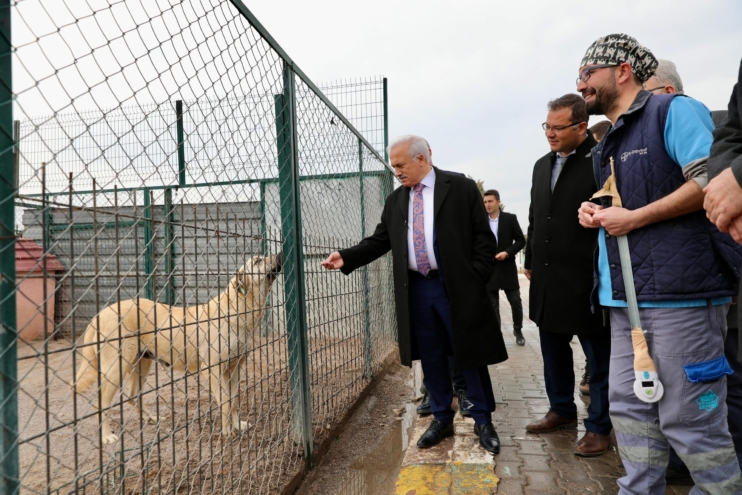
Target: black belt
431 274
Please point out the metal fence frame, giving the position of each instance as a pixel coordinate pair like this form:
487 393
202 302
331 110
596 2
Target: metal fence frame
289 179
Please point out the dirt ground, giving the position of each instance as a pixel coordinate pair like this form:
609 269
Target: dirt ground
365 457
60 450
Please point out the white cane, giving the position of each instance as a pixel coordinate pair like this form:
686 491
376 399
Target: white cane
647 385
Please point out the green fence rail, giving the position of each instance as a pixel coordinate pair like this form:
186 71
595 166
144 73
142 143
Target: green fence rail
169 182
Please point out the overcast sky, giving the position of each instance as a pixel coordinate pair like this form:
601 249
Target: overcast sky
474 77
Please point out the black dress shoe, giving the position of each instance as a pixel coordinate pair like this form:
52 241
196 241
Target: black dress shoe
424 407
519 339
465 404
436 432
488 438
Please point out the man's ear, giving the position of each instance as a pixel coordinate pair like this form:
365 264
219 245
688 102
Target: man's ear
626 74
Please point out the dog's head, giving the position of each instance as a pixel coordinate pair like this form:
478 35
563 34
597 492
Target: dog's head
259 272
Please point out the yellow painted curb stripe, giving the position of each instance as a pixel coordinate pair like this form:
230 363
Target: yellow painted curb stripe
444 479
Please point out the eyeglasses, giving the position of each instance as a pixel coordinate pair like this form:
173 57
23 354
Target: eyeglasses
558 128
585 74
654 89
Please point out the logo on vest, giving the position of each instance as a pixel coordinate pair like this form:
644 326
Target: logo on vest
708 401
626 154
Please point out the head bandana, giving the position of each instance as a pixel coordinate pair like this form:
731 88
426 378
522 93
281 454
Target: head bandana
620 48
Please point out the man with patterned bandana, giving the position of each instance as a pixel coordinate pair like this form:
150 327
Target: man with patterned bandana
684 272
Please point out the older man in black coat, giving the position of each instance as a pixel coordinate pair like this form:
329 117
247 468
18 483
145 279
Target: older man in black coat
443 253
559 264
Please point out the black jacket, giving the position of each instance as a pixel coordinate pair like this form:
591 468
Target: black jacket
511 240
726 151
559 251
465 248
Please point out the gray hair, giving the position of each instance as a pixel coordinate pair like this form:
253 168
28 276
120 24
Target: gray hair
667 73
418 145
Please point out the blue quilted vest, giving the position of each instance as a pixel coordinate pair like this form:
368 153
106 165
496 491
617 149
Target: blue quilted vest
678 259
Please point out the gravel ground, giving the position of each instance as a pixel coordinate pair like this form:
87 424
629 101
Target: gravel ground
185 451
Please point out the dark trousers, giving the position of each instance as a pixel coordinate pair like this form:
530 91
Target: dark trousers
560 377
734 398
431 323
457 379
516 306
734 391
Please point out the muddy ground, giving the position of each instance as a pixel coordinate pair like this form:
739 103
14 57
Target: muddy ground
365 457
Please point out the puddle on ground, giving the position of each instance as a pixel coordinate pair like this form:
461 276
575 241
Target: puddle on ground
376 472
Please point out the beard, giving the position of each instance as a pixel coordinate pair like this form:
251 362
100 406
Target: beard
605 99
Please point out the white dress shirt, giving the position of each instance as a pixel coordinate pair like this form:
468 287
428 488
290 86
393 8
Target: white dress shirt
428 217
494 225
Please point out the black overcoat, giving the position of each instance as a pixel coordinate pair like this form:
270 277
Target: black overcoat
465 250
559 251
510 239
726 151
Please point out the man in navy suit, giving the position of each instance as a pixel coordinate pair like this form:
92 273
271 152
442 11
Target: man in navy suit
443 254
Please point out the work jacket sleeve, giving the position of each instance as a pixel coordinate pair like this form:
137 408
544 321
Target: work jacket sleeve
369 249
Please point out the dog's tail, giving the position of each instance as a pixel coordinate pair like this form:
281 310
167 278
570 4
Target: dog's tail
88 372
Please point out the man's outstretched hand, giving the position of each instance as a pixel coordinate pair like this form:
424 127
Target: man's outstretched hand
333 262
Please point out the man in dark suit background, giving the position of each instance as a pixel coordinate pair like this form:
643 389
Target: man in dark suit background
559 264
510 241
442 255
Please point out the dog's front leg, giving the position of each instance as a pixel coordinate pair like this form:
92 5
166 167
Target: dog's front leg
107 392
221 392
234 388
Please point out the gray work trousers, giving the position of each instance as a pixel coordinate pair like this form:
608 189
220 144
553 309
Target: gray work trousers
691 416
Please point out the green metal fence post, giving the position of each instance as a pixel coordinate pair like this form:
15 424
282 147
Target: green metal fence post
386 123
168 214
368 372
293 264
9 472
16 151
181 143
387 182
149 248
263 228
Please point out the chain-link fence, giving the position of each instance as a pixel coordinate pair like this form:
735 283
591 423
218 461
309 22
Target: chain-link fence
170 180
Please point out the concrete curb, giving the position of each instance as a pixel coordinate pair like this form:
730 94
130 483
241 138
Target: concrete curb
458 465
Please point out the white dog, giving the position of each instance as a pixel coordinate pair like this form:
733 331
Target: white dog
125 338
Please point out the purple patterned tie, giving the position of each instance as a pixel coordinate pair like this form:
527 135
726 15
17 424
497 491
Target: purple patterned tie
418 232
